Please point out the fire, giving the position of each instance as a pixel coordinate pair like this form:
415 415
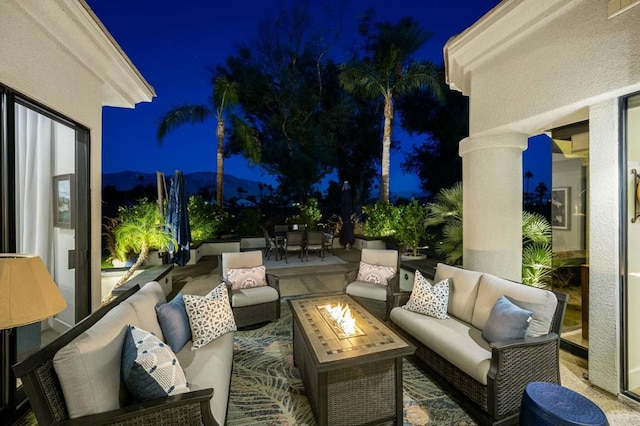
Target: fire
342 317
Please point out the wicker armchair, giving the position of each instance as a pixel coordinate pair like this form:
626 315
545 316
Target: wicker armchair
253 305
377 299
45 394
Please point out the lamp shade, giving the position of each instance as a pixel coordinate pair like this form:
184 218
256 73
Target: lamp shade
28 293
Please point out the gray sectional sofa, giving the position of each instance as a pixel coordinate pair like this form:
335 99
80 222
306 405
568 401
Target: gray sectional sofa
491 376
76 379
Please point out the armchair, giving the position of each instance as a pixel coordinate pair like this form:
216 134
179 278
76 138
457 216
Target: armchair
251 305
377 298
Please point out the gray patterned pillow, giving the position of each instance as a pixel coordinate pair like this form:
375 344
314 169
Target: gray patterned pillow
241 278
429 299
376 274
210 316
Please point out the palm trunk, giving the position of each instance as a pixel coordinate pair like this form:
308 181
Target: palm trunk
144 254
220 161
386 147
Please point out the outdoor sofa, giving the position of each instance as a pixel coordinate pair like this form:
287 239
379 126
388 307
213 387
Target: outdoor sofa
492 376
76 379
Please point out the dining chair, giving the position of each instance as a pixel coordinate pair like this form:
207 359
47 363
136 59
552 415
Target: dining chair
315 242
294 242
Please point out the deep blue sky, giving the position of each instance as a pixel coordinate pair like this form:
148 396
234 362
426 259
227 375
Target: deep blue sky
174 43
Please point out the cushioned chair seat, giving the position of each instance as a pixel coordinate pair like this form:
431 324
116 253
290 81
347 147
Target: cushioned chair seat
199 364
454 340
367 290
253 296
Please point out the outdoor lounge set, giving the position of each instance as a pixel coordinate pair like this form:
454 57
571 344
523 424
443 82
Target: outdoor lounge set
460 327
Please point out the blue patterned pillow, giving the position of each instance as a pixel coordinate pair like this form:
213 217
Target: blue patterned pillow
506 321
173 320
149 367
429 299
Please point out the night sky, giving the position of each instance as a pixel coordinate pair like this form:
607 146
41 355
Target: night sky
175 43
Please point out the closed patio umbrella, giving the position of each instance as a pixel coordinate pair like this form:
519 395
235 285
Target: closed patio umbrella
346 209
178 221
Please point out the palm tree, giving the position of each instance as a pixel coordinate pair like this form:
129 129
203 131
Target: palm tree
223 100
391 74
528 175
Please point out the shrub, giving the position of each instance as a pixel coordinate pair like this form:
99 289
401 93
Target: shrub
310 214
381 220
410 226
206 220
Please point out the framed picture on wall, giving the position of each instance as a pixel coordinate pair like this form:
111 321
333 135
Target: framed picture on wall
560 208
63 189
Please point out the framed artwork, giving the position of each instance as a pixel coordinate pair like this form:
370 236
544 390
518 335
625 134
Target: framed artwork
560 208
63 189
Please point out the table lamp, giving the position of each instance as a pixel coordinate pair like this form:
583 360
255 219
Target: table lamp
28 295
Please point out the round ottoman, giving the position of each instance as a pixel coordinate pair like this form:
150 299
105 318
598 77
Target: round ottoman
550 404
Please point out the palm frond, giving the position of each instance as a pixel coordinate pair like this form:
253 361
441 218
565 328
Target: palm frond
537 264
248 137
361 78
535 228
180 115
420 76
226 93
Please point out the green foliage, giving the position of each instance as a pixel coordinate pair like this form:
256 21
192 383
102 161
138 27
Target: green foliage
446 210
249 221
411 225
381 220
206 220
310 214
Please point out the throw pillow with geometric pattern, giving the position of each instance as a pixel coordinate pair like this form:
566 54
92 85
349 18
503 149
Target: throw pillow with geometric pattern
429 299
376 274
210 316
247 277
149 367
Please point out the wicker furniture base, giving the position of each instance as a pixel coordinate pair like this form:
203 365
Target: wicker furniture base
348 381
256 314
377 307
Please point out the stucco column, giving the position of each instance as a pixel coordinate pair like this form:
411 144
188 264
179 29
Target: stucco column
492 203
604 245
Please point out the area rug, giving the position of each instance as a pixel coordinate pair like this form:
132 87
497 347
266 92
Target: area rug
266 388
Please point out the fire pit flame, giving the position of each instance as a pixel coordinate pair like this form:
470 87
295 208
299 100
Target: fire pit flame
342 317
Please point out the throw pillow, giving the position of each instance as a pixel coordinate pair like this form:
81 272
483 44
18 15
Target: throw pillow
247 277
376 274
149 367
210 316
542 315
506 321
174 323
429 299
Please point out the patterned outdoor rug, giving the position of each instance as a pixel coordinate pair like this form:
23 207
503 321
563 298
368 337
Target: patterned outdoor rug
266 388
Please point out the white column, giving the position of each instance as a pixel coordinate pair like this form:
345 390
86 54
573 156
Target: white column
604 244
492 203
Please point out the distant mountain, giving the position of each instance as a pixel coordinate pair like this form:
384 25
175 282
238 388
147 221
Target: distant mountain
126 180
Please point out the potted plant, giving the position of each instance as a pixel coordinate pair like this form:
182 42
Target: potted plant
139 230
411 228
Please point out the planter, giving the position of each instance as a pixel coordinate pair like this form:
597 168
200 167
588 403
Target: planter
410 256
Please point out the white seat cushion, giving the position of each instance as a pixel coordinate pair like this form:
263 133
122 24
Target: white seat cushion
210 367
367 290
253 296
457 342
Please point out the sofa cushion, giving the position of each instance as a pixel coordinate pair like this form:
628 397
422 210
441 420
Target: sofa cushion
462 291
144 302
89 367
541 302
456 341
376 274
253 296
210 316
367 290
506 321
173 320
429 299
210 367
149 367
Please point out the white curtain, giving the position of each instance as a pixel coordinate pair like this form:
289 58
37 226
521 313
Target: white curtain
34 210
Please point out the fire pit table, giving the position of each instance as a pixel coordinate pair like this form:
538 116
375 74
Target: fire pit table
351 376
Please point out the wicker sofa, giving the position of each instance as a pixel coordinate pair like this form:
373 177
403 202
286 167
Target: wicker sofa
76 379
492 376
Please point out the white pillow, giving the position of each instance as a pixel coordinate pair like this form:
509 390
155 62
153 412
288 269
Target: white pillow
429 299
210 316
376 274
241 278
